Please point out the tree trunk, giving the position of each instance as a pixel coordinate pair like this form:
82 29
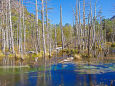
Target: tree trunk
49 31
80 34
23 16
89 28
20 30
91 24
3 28
84 36
11 31
17 35
76 26
43 32
37 40
94 25
62 39
47 28
7 40
55 38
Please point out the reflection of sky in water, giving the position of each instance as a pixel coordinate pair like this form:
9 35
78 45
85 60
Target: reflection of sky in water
66 75
91 75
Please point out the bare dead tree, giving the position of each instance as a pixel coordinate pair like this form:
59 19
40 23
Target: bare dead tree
24 27
80 29
3 27
11 31
17 34
47 27
61 27
76 28
89 34
20 29
94 30
84 35
91 23
37 32
49 31
43 31
55 37
94 22
7 38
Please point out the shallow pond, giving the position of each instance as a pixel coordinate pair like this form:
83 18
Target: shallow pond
67 74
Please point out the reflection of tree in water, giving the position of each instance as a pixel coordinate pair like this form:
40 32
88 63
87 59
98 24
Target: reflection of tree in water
22 76
90 80
11 80
85 81
61 77
44 77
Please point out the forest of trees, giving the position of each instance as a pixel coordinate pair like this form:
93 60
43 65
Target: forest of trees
22 32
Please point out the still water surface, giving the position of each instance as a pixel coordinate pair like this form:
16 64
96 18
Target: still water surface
68 74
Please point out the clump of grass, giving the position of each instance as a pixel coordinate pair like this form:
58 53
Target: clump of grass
68 52
108 43
99 48
113 45
84 55
1 55
77 57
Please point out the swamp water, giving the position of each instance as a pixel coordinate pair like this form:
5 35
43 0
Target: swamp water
67 74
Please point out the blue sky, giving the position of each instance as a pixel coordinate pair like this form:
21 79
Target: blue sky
69 5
